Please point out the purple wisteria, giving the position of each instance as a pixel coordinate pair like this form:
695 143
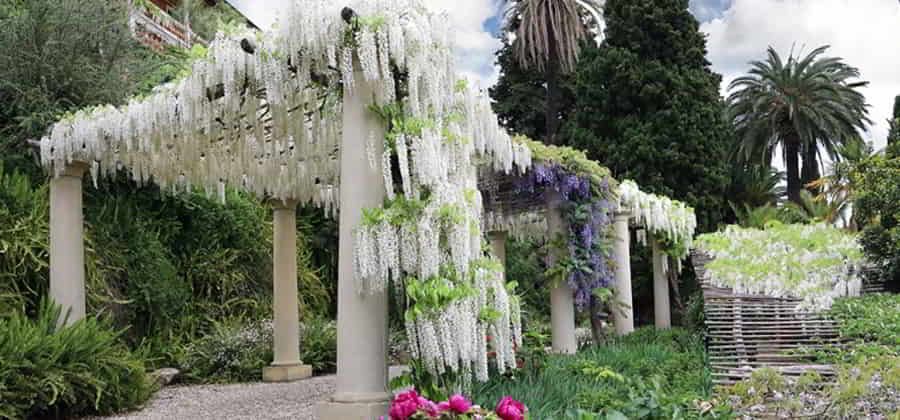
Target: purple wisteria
587 211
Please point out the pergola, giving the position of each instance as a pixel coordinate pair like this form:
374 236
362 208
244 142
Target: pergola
335 109
670 225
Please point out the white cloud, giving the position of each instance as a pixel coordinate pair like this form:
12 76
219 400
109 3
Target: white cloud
865 33
475 47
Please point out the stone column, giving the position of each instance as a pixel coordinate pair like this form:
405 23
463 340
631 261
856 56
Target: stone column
661 315
562 299
67 242
286 365
361 386
623 310
498 246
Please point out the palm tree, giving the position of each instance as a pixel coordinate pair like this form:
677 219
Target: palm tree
837 187
548 34
804 105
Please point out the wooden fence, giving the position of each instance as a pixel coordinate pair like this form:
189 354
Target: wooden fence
747 332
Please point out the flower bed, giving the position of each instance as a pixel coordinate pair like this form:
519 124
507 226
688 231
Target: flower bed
410 405
815 263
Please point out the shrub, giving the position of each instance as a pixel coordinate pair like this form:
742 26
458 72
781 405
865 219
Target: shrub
872 318
237 351
628 374
68 371
877 210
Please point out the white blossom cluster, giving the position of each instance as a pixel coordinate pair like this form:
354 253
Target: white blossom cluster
520 225
663 217
459 339
815 263
267 121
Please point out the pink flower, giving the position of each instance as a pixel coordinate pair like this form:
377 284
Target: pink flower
428 406
443 406
459 404
510 409
404 405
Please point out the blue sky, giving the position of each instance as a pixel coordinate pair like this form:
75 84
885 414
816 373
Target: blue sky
866 33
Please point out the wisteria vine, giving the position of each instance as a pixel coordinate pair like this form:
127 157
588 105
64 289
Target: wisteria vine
587 203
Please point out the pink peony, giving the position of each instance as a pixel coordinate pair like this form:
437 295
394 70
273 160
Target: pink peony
459 404
404 405
443 406
428 407
510 409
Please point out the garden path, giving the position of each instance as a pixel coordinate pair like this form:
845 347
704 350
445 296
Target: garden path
264 401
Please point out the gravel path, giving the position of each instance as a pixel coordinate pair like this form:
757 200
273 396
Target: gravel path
293 400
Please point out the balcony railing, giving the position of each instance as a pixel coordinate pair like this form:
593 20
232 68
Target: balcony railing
157 29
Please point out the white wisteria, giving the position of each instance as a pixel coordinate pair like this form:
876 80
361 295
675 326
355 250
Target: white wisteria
670 221
816 263
520 225
262 112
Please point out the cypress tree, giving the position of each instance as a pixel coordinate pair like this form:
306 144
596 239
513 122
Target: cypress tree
647 105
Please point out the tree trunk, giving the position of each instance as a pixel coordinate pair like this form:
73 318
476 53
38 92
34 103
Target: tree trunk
811 170
551 107
792 161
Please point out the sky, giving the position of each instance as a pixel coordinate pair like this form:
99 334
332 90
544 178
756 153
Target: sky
866 33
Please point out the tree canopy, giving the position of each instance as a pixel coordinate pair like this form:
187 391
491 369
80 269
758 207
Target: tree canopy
647 105
804 104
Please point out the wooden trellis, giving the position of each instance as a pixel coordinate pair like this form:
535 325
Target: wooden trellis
747 332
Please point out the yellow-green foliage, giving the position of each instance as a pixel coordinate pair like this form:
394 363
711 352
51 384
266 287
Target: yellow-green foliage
575 161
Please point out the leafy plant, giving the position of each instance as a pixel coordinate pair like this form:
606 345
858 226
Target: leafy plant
237 350
606 378
48 370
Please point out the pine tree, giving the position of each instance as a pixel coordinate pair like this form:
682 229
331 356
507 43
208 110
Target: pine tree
647 105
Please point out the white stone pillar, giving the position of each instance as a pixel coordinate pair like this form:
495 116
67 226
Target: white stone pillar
286 364
623 310
498 247
361 385
562 298
661 314
67 242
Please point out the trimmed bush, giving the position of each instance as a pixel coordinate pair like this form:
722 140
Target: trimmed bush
236 351
66 371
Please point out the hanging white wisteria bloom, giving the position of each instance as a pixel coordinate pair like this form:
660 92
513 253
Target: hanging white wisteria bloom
815 263
262 112
670 221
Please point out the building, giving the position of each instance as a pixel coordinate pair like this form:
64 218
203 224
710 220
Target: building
154 27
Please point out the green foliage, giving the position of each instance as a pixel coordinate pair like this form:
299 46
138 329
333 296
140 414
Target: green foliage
647 374
82 369
656 117
237 350
24 236
523 266
877 212
204 19
62 55
520 96
870 318
893 140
